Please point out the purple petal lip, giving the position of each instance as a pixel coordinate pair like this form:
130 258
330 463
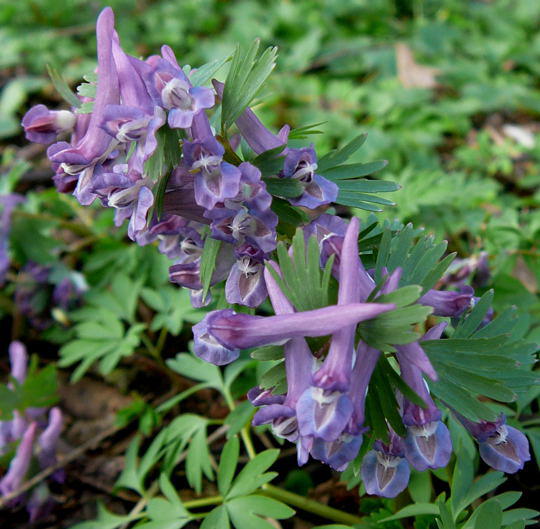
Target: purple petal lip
384 475
507 450
338 454
208 348
243 331
323 414
428 446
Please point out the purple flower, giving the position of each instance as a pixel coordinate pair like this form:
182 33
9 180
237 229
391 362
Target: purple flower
48 439
177 95
428 443
502 447
42 125
240 226
8 203
385 471
19 361
245 284
96 145
241 331
301 164
365 363
129 194
447 302
215 180
20 464
325 409
207 346
339 453
329 230
280 411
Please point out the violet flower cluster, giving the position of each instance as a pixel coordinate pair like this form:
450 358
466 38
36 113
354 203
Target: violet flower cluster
323 411
33 435
210 193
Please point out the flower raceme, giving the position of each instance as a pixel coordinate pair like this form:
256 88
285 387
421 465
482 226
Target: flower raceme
37 433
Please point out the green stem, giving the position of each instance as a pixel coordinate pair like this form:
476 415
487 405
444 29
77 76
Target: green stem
244 433
161 340
203 502
308 505
150 346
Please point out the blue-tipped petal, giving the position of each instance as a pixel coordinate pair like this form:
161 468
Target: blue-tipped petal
323 414
337 454
428 446
384 475
507 450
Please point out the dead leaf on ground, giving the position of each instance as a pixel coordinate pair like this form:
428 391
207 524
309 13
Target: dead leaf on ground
410 73
525 275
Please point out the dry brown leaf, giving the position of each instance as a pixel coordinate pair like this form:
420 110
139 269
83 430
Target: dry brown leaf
410 73
525 275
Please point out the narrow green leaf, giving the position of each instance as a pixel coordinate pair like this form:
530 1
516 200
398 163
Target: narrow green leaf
62 87
416 509
208 262
227 465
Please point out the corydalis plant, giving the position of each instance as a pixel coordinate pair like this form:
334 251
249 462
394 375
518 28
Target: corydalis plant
364 367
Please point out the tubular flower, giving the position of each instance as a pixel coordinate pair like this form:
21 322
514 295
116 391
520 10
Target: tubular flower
42 125
502 447
385 471
428 443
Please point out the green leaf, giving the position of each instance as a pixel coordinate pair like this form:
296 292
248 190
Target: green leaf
460 400
483 485
62 87
217 519
245 512
420 486
197 369
198 459
244 80
204 73
239 417
416 509
283 187
208 262
254 474
274 377
227 465
105 520
357 170
269 352
337 157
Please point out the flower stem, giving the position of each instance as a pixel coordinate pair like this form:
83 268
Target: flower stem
308 505
203 502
